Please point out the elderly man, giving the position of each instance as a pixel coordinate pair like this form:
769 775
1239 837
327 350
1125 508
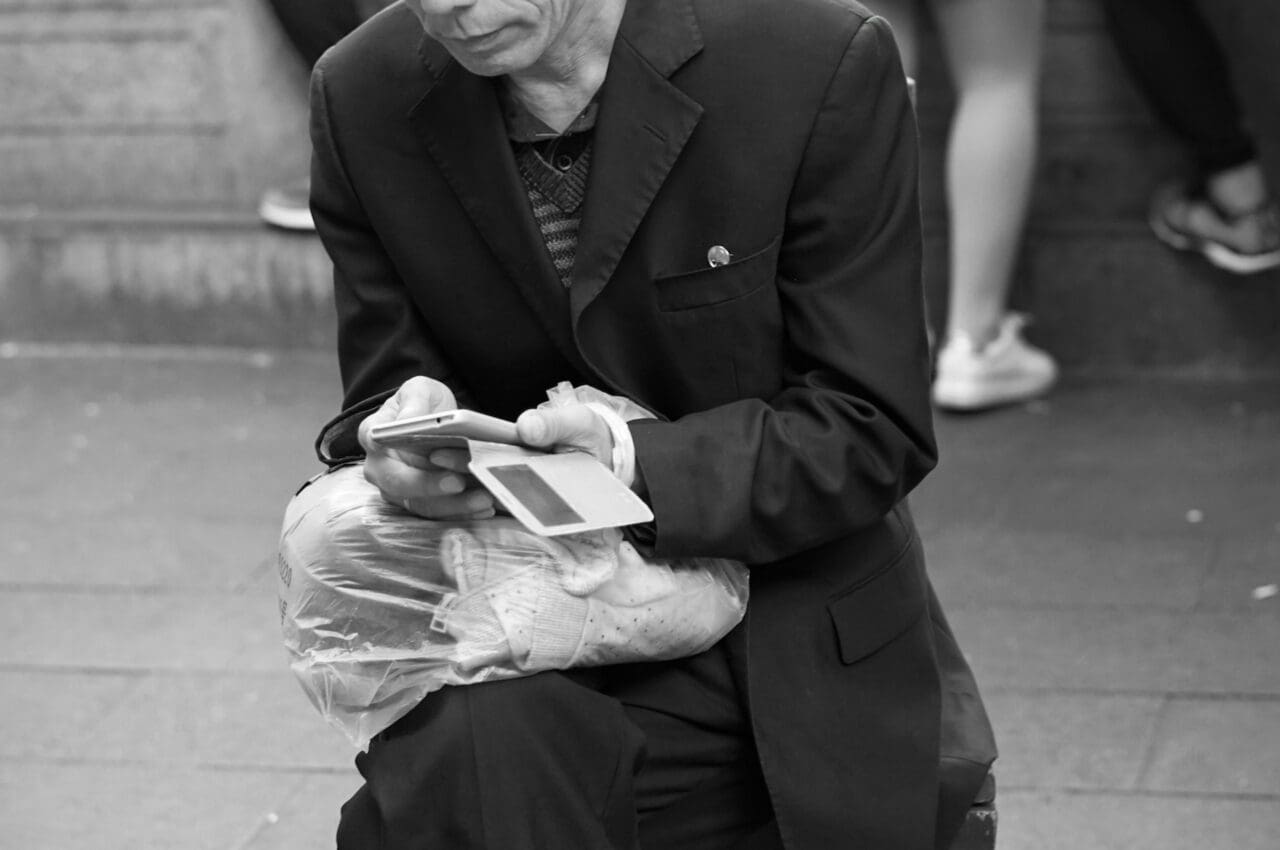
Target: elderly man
709 208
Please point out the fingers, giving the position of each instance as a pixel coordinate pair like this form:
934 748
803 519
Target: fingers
435 486
398 480
422 395
434 494
417 396
436 511
454 460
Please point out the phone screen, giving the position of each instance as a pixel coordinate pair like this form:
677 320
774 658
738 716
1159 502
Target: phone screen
532 491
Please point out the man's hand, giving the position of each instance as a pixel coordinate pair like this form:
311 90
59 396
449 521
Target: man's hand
435 486
572 428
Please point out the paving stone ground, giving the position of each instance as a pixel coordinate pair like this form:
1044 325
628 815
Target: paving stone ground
1098 554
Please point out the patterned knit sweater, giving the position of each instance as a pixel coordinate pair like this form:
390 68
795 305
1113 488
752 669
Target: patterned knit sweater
554 168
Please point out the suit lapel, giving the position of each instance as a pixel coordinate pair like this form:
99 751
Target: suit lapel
460 122
643 124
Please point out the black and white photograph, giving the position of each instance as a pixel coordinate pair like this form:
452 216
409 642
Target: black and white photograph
640 424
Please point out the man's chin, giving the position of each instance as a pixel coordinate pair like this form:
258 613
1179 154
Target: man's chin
489 63
484 67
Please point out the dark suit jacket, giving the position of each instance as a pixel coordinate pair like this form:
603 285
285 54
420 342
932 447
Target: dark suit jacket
791 383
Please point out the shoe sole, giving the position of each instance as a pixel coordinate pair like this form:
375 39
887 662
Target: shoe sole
967 396
286 218
1216 253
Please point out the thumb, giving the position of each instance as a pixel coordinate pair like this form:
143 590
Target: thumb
421 395
570 427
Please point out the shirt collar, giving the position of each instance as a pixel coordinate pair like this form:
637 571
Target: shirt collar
523 126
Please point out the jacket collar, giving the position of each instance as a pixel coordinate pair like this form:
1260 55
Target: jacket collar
664 33
643 125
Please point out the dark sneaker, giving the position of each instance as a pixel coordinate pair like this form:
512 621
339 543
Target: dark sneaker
288 207
1189 221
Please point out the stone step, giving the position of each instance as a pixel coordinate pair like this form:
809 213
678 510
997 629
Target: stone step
196 280
1108 299
141 132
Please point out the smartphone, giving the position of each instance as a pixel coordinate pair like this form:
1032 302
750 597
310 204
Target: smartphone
550 494
426 431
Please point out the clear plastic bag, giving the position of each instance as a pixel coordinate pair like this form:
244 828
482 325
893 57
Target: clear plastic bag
379 607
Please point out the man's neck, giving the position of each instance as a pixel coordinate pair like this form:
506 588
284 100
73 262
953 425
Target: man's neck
563 82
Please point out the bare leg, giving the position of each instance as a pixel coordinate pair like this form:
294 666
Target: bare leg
993 49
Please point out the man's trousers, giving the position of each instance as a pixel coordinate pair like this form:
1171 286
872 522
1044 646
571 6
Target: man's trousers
655 755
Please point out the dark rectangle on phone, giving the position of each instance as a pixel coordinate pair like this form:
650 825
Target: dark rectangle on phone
535 494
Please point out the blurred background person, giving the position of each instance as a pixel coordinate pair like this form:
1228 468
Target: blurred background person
312 27
1210 73
992 50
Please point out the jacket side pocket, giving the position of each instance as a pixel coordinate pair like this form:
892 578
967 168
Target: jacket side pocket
873 613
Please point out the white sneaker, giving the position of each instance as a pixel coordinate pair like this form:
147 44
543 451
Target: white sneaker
288 207
1004 371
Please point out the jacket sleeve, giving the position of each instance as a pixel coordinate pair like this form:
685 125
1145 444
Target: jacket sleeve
382 338
851 432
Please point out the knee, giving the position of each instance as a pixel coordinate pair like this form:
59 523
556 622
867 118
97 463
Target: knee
525 722
552 757
521 711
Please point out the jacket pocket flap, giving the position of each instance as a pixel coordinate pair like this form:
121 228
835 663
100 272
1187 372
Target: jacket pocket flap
869 615
713 285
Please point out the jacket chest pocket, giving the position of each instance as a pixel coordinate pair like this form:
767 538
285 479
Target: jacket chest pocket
724 326
710 286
